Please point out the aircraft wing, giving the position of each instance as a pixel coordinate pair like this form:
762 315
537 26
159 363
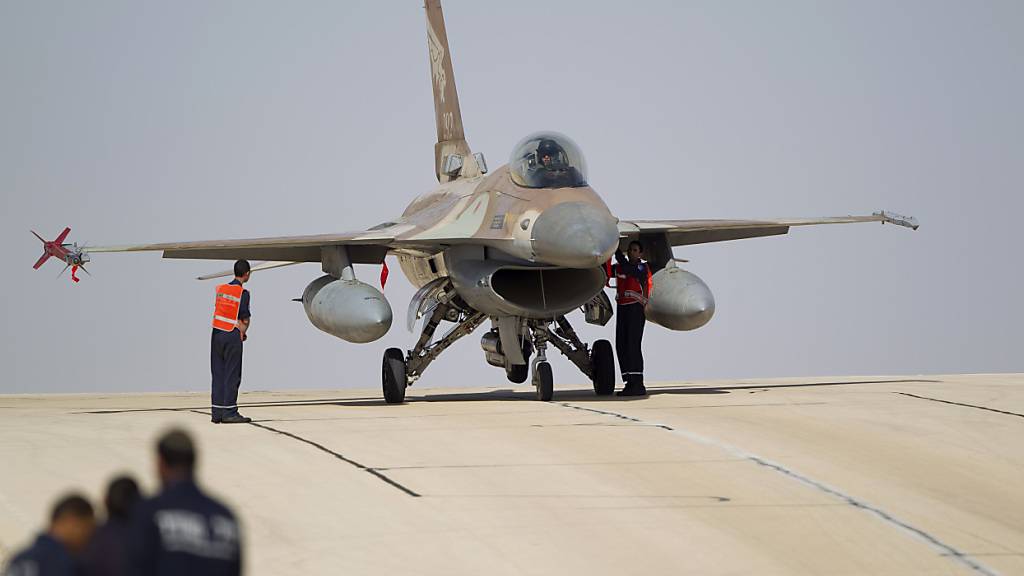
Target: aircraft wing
682 232
364 247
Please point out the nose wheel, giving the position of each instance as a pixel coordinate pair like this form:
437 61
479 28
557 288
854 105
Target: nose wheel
544 381
393 376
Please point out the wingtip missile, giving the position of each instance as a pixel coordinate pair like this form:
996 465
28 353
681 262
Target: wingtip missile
897 219
71 254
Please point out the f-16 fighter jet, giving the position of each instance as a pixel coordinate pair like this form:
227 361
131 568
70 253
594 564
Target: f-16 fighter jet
518 247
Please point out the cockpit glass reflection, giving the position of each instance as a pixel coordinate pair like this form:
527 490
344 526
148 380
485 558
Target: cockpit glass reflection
548 160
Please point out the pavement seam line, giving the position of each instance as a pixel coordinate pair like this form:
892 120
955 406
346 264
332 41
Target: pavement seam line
945 549
372 471
378 474
1008 413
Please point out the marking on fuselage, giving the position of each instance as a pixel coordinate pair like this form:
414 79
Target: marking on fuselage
946 550
465 224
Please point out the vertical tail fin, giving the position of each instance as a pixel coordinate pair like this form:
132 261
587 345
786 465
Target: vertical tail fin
450 136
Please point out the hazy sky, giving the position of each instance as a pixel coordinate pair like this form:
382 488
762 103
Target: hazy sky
161 121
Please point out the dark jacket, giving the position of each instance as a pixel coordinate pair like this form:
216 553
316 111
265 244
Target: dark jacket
46 557
107 552
183 531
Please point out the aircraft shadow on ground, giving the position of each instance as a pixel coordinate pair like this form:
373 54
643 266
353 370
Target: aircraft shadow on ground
508 394
583 394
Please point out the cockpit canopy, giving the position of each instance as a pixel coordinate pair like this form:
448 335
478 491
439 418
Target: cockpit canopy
547 160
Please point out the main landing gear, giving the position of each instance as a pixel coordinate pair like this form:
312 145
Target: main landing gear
400 371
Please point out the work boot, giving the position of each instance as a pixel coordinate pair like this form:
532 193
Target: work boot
235 419
634 387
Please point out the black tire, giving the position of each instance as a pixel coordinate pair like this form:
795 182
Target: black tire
393 376
518 373
545 382
602 366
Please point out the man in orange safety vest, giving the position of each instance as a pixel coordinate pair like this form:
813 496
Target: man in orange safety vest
230 323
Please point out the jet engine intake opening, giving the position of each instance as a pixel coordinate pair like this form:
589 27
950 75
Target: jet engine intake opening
551 289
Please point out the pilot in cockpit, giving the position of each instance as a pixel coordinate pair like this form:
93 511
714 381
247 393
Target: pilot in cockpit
551 154
553 167
547 160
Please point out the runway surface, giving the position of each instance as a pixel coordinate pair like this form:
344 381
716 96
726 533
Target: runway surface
853 475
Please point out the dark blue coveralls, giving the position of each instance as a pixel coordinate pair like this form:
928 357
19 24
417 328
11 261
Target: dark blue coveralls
226 364
629 325
184 531
46 557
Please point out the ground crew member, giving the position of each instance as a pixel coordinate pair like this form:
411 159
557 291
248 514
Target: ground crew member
181 530
107 552
633 288
53 552
230 322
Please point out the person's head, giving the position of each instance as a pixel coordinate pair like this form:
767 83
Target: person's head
72 522
242 270
635 251
549 153
176 456
122 495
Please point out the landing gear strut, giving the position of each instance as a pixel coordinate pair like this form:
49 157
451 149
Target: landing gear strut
400 371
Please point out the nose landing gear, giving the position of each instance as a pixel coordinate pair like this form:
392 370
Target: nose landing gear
598 364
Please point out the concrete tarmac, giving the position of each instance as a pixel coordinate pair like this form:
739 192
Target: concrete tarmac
852 475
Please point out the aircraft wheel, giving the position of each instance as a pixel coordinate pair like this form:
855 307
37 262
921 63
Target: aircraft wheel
517 373
602 366
393 376
545 381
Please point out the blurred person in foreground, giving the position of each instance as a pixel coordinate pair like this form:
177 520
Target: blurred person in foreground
106 554
181 530
54 551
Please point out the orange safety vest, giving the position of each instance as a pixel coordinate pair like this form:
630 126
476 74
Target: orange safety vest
225 311
629 289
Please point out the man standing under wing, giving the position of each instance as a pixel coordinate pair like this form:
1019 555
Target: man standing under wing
230 322
633 288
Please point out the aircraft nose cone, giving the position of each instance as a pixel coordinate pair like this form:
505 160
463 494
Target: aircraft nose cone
575 235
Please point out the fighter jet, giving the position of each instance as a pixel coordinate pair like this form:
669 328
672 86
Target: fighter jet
519 247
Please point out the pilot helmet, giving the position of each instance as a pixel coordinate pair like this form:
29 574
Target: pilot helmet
548 147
